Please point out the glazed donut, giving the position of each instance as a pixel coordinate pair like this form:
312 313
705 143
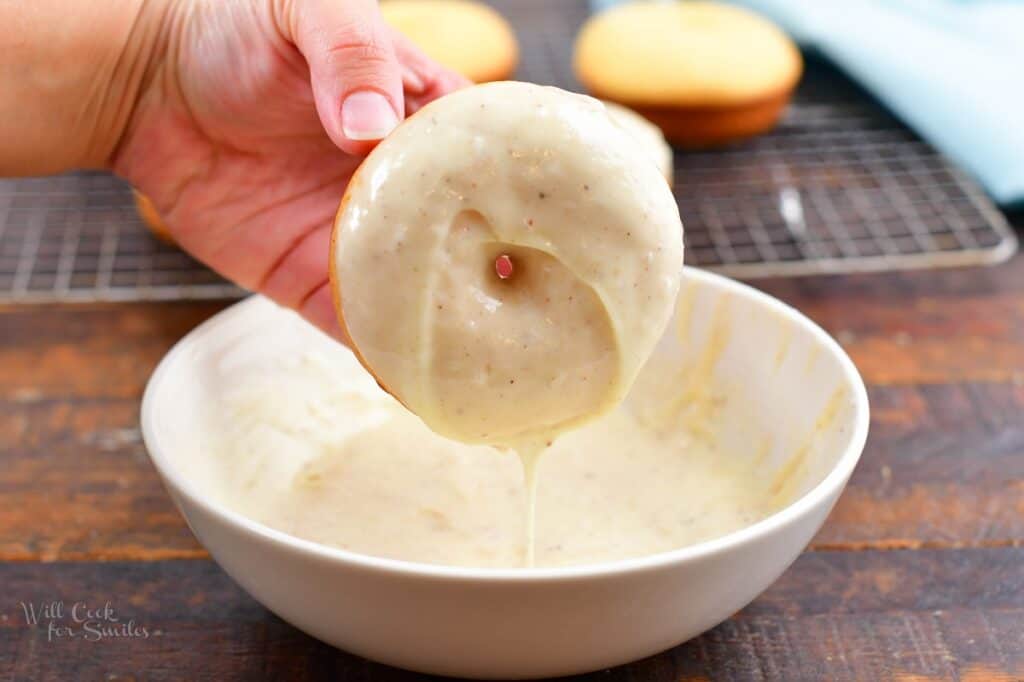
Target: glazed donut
505 261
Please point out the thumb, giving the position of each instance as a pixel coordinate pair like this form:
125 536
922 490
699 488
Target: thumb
356 77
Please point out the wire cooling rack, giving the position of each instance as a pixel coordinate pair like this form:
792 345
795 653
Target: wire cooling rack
838 186
77 237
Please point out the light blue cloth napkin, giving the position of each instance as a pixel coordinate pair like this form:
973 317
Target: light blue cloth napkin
951 69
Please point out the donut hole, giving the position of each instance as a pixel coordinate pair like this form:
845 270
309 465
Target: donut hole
490 336
504 267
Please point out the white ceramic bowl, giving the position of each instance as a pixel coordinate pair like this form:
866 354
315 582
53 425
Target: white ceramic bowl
790 386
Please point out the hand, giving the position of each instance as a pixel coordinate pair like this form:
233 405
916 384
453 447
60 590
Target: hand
251 123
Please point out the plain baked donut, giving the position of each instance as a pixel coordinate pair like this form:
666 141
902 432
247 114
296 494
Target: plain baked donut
468 37
151 218
505 261
706 73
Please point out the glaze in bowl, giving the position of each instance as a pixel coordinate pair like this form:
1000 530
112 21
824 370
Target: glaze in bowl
780 393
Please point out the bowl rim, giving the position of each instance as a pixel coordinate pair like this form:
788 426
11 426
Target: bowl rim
831 485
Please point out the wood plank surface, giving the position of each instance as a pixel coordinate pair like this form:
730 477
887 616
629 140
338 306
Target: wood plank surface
871 615
944 467
51 352
917 575
88 351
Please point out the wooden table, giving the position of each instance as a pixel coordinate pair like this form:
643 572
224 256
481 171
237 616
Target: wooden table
918 574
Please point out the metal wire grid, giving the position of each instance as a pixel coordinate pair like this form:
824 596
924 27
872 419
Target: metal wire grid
77 237
839 186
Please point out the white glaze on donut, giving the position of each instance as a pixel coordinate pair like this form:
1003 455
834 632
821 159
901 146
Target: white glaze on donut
646 134
593 231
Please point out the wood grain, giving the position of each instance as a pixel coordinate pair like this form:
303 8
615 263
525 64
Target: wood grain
944 467
927 340
88 351
833 616
77 484
917 575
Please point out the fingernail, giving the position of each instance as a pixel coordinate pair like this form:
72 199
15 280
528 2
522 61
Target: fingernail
367 115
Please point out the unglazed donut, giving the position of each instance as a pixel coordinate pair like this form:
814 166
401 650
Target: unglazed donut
706 73
505 261
151 218
468 37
